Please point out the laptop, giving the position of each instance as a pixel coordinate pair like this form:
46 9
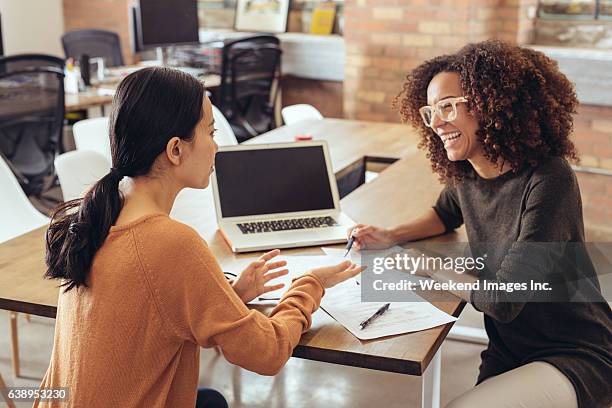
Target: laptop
280 195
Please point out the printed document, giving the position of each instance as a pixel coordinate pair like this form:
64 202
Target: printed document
343 303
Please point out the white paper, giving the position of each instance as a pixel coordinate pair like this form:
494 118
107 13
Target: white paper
355 256
343 303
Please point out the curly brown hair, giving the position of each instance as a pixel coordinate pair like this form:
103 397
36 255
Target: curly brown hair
523 104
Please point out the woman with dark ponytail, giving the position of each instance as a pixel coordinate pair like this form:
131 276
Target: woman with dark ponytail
142 292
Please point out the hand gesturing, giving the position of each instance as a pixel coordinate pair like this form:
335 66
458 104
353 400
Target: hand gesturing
252 281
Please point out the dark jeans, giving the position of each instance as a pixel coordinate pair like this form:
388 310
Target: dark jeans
209 398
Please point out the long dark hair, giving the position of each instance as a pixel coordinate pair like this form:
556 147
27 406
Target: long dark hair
150 107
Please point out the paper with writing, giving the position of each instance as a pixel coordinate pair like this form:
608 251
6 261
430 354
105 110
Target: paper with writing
343 303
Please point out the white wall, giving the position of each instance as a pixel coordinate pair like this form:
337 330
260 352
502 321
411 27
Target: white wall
32 26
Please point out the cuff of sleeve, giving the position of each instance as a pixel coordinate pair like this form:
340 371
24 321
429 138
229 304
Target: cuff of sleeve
444 218
313 277
473 300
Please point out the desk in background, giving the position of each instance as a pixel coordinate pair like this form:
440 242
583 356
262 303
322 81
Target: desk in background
405 189
102 93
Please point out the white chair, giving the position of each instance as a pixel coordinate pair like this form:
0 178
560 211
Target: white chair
17 216
295 113
93 134
225 134
78 170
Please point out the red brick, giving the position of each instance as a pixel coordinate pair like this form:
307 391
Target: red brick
582 121
507 13
352 13
594 112
584 148
369 25
603 151
592 183
591 136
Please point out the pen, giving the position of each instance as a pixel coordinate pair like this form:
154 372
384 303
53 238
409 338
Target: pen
349 245
378 313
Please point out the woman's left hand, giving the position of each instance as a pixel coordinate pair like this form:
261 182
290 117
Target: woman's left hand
252 281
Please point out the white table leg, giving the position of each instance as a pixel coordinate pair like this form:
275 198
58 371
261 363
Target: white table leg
430 387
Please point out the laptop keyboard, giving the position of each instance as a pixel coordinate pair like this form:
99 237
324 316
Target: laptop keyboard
285 225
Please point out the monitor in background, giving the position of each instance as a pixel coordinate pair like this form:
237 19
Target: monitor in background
134 11
159 23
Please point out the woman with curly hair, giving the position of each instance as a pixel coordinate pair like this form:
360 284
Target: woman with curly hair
495 121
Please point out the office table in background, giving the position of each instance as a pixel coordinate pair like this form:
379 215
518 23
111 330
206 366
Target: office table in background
102 93
401 192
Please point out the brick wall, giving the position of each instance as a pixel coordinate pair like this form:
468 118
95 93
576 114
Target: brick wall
593 136
596 192
387 38
112 15
593 139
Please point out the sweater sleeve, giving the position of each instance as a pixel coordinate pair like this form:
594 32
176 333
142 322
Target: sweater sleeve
448 209
552 214
197 304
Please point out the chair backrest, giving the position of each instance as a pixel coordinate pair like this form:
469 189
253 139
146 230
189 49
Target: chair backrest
95 43
31 116
225 134
78 170
17 214
93 134
230 47
295 113
250 70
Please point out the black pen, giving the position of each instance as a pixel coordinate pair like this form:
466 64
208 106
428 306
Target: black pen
378 313
349 245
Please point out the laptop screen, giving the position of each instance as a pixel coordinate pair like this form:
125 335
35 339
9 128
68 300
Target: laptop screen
271 181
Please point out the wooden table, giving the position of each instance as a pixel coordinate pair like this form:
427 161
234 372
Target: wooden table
402 191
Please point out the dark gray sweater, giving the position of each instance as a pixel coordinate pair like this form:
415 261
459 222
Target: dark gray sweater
501 216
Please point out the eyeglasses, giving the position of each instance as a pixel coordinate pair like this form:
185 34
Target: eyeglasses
446 110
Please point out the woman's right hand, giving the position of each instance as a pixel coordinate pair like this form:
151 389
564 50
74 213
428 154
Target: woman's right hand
371 237
332 275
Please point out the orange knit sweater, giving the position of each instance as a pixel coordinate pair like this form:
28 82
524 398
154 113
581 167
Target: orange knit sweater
156 295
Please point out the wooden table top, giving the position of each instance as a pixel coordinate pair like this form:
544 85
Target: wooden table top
401 192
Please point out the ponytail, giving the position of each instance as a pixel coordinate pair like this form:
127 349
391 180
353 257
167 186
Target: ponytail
79 228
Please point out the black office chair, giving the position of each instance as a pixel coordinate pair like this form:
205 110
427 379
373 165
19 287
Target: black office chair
31 117
95 43
250 70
